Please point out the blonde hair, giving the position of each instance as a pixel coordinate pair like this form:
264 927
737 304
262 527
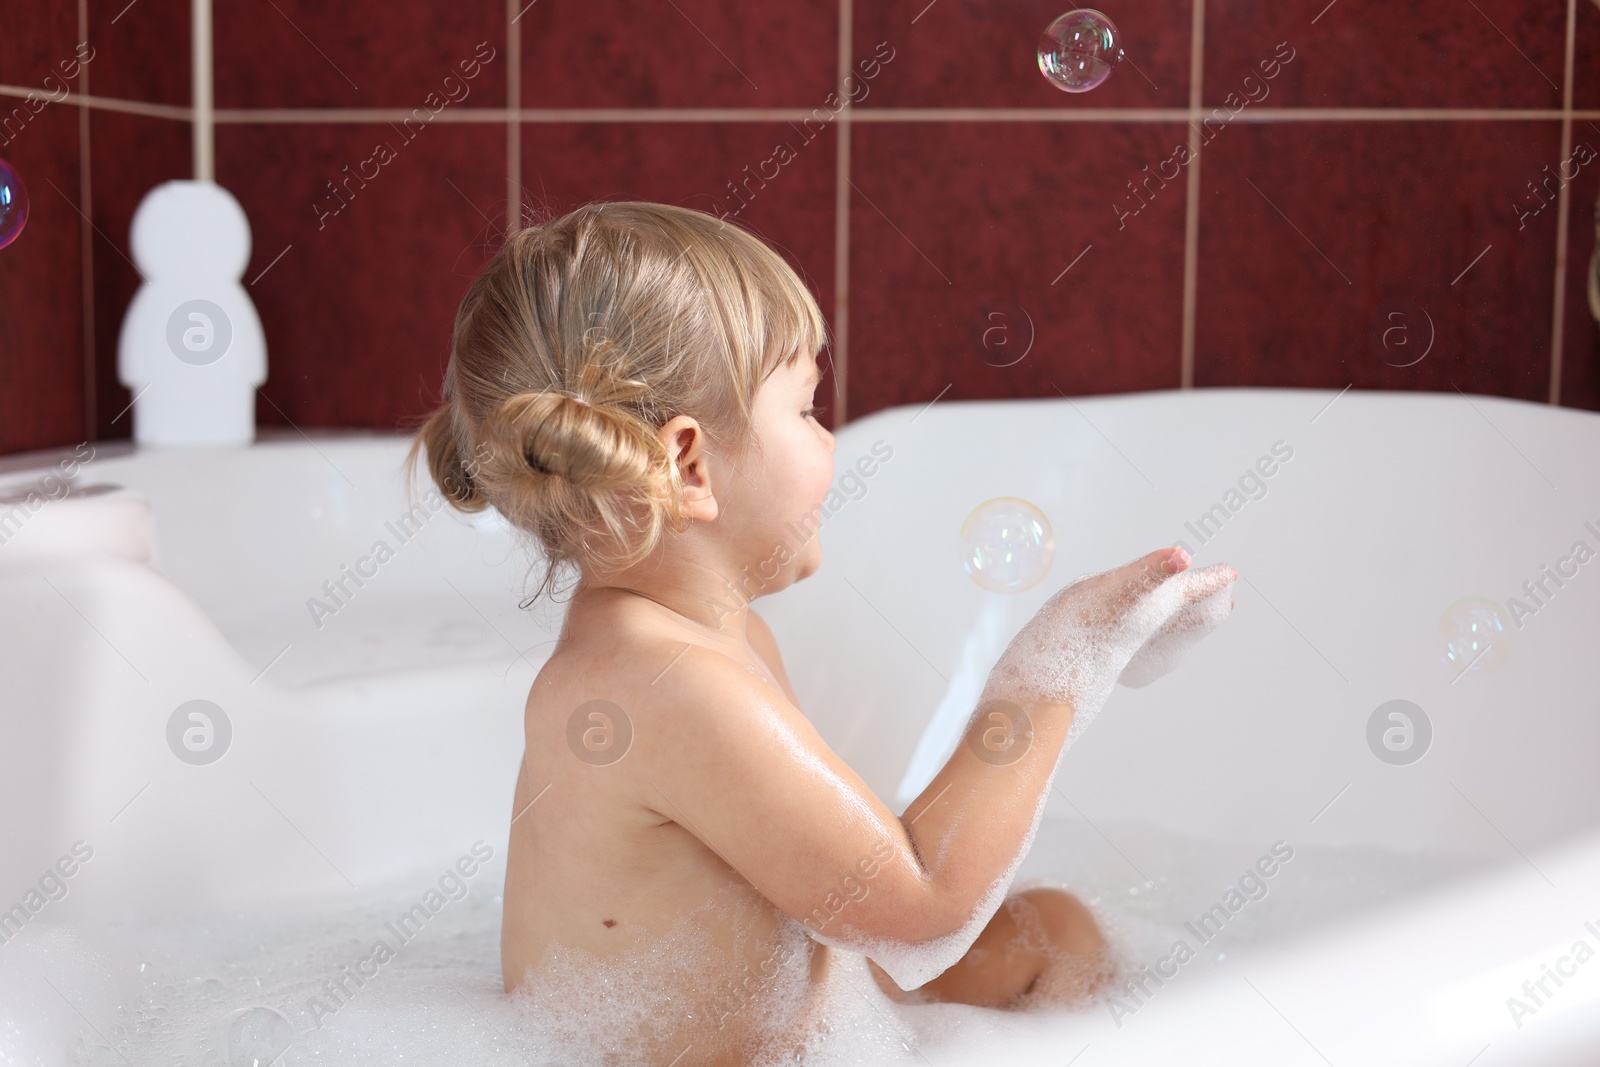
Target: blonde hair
581 338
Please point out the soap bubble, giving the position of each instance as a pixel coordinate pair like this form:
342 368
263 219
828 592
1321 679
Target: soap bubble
1078 50
258 1037
1476 637
1007 544
13 204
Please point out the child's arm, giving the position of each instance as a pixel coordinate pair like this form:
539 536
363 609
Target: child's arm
744 771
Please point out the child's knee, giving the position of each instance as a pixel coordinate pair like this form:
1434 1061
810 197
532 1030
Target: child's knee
1063 919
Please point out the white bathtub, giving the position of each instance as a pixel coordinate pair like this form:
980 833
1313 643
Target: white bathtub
1419 898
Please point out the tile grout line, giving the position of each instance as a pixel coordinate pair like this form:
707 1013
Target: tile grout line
274 116
841 225
91 414
203 113
1191 213
1563 215
513 127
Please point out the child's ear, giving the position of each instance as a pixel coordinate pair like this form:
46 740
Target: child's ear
684 439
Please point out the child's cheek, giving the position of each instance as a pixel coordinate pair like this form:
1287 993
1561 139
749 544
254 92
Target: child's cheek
821 483
816 475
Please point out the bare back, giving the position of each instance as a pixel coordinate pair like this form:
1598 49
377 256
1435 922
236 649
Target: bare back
600 864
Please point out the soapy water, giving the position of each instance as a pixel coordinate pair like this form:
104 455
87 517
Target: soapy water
1109 627
303 985
208 989
352 988
1078 51
1007 544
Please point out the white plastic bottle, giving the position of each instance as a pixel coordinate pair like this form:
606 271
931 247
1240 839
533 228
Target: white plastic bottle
192 349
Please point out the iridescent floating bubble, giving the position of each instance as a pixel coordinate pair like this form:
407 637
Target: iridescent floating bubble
1078 50
13 204
1476 637
1007 544
258 1037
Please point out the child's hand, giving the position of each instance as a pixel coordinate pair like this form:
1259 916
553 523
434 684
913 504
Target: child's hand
1087 635
1167 646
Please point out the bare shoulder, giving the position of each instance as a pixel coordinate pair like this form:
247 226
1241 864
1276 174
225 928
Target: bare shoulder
608 649
663 674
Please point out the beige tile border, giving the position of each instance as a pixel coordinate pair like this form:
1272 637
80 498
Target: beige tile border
1563 214
274 116
91 381
1191 204
514 11
202 92
841 219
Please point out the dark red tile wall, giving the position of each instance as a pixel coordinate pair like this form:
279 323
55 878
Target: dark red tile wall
129 156
1004 239
1345 279
1580 365
42 375
1372 53
141 50
312 54
987 257
359 303
978 53
679 55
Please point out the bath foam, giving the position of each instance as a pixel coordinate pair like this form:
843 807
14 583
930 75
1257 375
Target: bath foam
36 1020
169 988
1084 638
181 980
165 989
1071 652
843 1019
1168 645
668 993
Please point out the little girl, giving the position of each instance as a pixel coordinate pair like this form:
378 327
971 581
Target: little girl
690 867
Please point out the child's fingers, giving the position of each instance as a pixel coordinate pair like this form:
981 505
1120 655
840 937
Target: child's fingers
1186 626
1205 613
1205 582
1137 577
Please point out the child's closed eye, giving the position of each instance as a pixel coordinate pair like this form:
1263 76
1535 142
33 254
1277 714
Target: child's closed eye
813 411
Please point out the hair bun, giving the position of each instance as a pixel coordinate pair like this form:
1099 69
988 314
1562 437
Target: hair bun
550 434
452 476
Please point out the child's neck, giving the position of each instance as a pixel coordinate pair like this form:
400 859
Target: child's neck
726 619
